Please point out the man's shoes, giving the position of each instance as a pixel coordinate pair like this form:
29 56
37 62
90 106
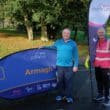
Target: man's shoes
99 98
69 100
64 98
106 102
59 98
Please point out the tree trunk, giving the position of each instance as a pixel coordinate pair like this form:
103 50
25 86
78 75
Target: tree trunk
3 24
29 28
75 34
44 36
43 31
29 32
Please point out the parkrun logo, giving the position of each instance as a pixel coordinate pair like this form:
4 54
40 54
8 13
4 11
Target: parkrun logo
38 71
102 7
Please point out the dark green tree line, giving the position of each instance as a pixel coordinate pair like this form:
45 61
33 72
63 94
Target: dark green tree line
63 13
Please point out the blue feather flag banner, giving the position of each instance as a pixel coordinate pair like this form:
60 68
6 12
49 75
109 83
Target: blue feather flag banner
99 14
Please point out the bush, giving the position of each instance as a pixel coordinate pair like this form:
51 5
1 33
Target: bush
20 28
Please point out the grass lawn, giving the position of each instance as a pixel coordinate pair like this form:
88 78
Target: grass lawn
10 43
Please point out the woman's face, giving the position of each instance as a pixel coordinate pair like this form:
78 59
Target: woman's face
101 34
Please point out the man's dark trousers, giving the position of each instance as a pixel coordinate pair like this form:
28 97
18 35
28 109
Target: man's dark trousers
64 78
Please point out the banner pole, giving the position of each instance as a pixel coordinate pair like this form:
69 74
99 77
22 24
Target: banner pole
90 66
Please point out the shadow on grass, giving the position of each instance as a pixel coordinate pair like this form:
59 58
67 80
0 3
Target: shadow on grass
12 33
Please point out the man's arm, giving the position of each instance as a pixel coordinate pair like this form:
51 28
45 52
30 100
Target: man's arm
75 58
53 46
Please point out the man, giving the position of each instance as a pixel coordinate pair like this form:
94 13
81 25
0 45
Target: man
102 67
67 64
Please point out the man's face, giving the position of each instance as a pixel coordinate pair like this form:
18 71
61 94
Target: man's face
66 34
101 34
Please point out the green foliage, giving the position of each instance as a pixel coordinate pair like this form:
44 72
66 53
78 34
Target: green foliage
75 14
48 10
63 13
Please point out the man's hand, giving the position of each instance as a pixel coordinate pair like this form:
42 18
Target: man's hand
75 69
40 47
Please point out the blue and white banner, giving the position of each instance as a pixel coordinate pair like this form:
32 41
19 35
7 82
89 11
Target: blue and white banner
99 14
27 72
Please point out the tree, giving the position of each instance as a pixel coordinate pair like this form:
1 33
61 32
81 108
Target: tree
22 11
28 11
63 13
2 12
75 15
47 13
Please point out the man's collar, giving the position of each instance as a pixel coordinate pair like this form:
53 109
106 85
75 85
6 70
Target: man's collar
66 40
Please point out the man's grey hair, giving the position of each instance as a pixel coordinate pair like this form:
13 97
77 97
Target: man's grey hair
66 29
101 29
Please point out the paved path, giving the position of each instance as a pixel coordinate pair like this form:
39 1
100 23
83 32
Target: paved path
45 101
